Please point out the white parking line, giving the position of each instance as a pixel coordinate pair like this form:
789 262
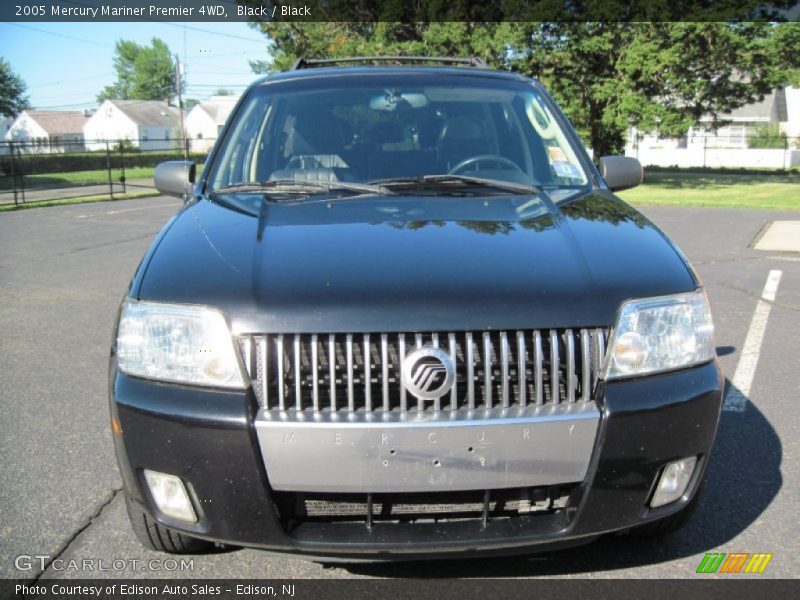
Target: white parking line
736 398
124 210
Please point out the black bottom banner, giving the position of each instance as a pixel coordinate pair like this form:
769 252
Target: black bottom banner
416 589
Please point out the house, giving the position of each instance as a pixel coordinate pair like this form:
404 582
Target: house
205 121
729 145
48 131
5 125
144 124
792 125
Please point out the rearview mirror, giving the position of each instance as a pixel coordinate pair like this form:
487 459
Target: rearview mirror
175 177
391 101
621 172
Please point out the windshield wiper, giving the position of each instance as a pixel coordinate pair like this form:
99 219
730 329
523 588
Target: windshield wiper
295 186
448 180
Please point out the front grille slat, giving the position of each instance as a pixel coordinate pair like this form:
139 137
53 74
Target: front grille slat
600 353
332 369
555 377
569 342
538 372
402 357
487 370
367 373
351 401
451 342
304 373
298 375
586 365
504 368
280 366
521 368
470 371
315 370
262 370
385 370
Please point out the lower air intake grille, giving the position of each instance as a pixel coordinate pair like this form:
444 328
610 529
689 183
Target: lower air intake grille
295 507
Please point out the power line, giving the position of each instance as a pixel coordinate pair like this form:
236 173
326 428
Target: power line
67 81
66 106
61 97
211 32
216 56
61 35
231 73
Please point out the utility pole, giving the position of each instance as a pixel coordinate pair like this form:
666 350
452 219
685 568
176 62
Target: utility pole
179 87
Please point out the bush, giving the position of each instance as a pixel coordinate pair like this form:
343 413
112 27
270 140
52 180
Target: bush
767 136
36 164
716 170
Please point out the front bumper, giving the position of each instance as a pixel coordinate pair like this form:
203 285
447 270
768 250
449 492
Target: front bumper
209 438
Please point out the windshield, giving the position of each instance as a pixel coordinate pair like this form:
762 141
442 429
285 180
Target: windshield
396 130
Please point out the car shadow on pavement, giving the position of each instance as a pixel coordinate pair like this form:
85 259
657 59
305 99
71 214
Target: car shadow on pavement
742 479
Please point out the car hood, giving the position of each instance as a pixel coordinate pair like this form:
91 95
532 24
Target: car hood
413 263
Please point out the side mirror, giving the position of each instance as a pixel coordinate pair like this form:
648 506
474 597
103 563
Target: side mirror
175 178
621 172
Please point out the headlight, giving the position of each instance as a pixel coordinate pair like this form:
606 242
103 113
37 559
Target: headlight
172 342
661 334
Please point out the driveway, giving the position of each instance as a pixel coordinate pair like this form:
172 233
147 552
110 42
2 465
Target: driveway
63 271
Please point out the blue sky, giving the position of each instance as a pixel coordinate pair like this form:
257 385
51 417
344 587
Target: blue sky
65 65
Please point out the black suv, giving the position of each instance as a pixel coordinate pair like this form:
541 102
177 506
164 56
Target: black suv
402 314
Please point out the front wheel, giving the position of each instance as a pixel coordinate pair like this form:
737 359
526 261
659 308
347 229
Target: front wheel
155 536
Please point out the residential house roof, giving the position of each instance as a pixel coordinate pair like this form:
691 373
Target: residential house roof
771 108
58 122
149 112
219 107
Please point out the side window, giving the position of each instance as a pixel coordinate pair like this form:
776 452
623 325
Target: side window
238 161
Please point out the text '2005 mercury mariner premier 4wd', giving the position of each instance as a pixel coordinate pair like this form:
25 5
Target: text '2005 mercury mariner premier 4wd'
401 315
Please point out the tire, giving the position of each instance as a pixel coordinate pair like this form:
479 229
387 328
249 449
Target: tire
155 536
669 524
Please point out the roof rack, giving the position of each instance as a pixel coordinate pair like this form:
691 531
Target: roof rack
310 63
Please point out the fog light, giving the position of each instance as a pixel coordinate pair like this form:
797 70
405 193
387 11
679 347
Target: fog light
673 481
170 495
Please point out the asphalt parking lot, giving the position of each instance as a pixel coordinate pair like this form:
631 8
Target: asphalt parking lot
63 271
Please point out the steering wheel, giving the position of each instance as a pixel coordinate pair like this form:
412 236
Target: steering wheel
490 158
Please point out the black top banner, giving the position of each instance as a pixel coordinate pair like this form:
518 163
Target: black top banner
398 10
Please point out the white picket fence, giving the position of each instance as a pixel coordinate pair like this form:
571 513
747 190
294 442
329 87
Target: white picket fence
746 158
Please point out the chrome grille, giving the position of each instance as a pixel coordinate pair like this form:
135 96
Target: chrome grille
362 372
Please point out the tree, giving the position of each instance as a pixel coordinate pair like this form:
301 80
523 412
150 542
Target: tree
222 92
13 99
654 76
607 76
143 72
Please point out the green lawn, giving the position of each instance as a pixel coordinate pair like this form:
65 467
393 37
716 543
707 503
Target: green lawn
756 190
77 178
